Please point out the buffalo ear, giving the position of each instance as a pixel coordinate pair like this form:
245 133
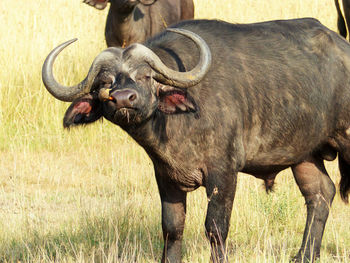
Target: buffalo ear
98 4
173 100
83 110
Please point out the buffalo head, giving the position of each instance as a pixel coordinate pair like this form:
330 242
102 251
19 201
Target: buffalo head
127 86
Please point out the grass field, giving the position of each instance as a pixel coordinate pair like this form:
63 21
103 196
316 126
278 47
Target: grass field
89 195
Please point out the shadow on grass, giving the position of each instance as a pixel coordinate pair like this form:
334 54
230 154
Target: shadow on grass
93 239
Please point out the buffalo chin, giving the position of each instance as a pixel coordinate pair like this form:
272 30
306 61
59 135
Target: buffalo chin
126 116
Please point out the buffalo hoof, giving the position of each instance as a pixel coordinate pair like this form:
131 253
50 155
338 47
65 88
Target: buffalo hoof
305 258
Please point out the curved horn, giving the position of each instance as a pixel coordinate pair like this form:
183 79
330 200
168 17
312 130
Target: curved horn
169 76
58 90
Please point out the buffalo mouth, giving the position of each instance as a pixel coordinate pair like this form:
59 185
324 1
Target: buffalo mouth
124 114
127 115
116 108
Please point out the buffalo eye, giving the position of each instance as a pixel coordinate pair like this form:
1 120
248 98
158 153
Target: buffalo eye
106 81
106 85
143 78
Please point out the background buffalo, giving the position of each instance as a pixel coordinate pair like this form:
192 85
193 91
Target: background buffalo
342 26
131 21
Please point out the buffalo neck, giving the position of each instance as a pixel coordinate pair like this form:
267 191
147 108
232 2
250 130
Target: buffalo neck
161 136
127 26
120 12
152 135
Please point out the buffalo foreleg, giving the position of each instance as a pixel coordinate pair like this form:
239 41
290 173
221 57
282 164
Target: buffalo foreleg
318 191
220 193
173 219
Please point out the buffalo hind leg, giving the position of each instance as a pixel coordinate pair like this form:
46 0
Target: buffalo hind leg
220 192
173 219
318 191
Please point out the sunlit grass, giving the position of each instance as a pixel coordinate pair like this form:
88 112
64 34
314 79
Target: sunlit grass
89 195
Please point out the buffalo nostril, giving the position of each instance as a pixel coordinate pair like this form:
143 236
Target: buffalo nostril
124 98
132 97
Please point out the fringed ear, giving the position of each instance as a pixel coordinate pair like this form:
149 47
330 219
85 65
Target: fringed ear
98 4
173 100
82 111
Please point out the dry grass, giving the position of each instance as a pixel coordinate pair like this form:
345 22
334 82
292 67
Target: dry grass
89 195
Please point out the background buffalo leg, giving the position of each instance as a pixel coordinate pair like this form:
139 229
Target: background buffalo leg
318 191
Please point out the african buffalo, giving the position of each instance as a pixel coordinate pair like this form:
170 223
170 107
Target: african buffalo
207 99
131 21
341 21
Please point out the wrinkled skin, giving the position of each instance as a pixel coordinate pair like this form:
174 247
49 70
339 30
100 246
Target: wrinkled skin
276 96
341 22
129 21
